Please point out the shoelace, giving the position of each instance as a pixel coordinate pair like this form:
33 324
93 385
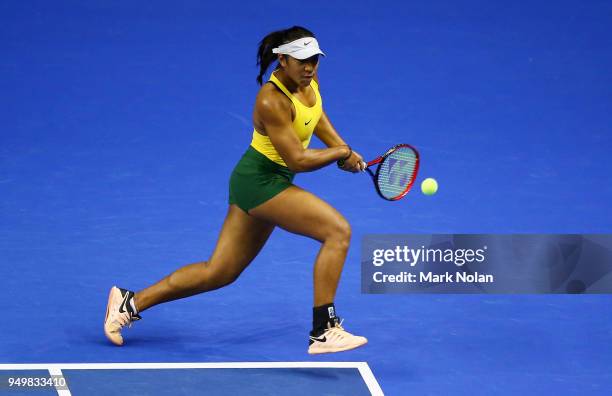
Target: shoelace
337 330
126 318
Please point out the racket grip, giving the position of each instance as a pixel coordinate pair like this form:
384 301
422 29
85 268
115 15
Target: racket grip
340 164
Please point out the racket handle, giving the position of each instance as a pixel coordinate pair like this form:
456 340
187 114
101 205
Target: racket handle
340 164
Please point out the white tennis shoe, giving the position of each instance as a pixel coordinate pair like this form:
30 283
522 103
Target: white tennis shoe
335 339
119 313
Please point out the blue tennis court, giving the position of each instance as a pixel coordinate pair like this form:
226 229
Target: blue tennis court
270 378
120 123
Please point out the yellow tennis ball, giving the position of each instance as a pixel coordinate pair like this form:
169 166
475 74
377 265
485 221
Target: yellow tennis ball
429 186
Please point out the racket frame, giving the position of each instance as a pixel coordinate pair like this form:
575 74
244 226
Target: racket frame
380 159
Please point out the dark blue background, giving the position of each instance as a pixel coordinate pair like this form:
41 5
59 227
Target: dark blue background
121 121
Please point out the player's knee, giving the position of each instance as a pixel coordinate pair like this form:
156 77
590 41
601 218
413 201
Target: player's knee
341 233
219 276
226 280
345 231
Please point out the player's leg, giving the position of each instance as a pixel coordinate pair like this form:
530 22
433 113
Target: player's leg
303 213
241 238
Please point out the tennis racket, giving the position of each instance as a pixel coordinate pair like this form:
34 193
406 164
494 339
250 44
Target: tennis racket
396 172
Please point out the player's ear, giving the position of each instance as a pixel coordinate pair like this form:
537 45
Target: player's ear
282 60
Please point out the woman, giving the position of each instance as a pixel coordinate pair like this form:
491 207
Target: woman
288 110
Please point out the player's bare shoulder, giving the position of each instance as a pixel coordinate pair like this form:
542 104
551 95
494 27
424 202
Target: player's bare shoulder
271 105
270 98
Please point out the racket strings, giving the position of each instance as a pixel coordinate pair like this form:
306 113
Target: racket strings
397 172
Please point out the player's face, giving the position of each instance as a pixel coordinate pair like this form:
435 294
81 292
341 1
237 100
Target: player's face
301 71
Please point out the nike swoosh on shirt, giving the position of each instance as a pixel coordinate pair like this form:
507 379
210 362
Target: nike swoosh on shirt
306 123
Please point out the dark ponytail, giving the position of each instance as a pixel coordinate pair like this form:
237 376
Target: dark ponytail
265 57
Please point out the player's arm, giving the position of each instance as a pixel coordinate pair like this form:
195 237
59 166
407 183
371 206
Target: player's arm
275 114
325 131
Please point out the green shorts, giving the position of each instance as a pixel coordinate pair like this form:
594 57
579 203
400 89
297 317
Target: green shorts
256 179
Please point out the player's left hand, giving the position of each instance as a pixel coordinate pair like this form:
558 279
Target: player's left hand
354 163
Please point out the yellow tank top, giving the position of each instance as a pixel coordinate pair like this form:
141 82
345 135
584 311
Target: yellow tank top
306 118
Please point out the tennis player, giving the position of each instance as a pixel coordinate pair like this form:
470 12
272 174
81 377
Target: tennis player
288 110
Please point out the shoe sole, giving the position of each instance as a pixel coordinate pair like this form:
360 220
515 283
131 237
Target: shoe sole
334 350
108 334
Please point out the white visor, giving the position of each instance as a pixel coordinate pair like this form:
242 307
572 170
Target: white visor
300 49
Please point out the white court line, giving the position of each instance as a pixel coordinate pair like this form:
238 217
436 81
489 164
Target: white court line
61 390
110 366
370 380
364 369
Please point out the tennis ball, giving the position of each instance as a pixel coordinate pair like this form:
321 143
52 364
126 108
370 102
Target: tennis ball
429 186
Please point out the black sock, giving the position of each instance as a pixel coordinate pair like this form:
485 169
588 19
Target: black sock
130 305
321 317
